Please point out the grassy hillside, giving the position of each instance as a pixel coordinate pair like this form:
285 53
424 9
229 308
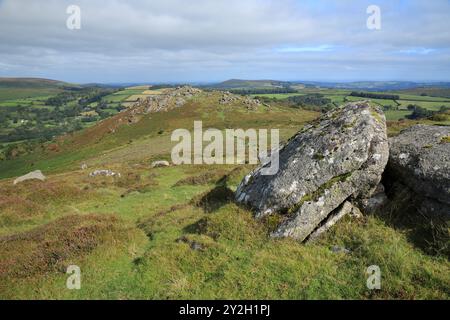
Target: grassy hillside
24 88
98 140
175 232
49 108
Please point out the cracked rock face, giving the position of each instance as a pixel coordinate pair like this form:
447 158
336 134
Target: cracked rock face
341 156
420 159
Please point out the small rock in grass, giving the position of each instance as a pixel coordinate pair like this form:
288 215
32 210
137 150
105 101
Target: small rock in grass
37 175
160 163
107 173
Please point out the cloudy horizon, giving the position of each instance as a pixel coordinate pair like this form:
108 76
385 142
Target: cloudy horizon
208 41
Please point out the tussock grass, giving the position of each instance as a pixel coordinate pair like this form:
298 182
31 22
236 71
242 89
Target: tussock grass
129 181
31 200
53 246
429 233
192 249
213 199
238 260
16 209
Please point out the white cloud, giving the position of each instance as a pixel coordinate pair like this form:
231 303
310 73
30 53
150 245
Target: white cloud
215 39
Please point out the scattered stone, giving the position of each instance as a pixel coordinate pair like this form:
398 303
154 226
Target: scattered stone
84 166
34 175
339 157
107 173
419 160
160 163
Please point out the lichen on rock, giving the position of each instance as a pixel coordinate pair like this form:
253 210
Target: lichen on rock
338 157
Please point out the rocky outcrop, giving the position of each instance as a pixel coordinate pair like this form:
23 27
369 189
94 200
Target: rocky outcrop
171 98
34 175
420 159
339 157
228 98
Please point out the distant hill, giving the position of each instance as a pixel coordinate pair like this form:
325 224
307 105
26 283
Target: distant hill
21 88
33 83
251 84
376 85
239 84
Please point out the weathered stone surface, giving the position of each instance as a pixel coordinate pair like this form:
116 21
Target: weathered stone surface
376 201
420 159
341 156
160 163
30 176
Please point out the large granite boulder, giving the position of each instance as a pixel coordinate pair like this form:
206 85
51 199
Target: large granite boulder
339 157
420 159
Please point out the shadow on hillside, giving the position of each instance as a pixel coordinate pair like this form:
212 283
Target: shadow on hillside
210 202
214 199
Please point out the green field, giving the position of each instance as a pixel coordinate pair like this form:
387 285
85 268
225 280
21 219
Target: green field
338 96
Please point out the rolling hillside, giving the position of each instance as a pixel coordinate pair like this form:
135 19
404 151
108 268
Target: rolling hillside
175 232
21 88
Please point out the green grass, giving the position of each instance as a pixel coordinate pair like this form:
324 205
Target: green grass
435 106
421 98
12 94
276 95
175 232
149 254
394 115
339 96
98 142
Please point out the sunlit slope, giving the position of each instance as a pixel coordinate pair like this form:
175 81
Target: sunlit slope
137 134
18 88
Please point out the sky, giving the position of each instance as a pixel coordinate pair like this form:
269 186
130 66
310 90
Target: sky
157 41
